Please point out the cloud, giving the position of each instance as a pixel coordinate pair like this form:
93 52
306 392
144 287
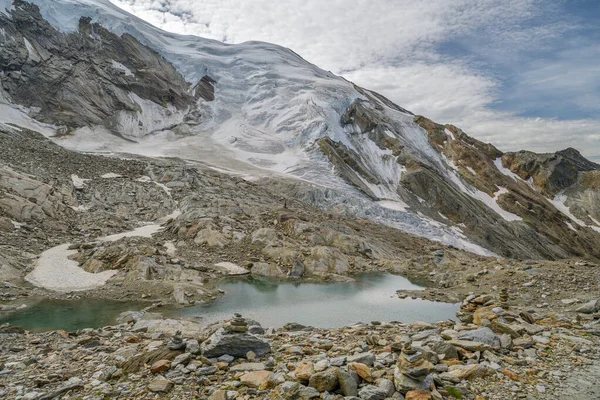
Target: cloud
513 72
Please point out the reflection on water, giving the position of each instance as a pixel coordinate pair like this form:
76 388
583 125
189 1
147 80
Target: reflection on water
274 303
68 315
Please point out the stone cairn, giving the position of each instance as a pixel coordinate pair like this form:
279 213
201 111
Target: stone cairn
237 324
176 342
504 298
412 371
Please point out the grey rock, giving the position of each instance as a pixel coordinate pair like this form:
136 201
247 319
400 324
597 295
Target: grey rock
233 344
590 307
192 346
371 392
256 330
160 384
387 386
326 381
348 385
481 335
363 358
444 348
207 370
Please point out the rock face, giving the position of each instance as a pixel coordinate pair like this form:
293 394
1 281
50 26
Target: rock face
89 77
234 340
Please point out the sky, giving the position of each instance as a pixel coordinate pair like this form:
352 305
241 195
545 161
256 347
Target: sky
521 74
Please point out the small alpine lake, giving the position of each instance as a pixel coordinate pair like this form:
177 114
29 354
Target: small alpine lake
371 297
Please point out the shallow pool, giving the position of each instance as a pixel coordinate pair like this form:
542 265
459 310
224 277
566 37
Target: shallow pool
68 315
274 303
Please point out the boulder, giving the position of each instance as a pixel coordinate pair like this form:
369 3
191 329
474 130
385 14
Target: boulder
266 269
255 379
304 371
371 392
589 308
362 370
160 384
363 358
160 366
482 335
294 391
326 381
235 344
348 384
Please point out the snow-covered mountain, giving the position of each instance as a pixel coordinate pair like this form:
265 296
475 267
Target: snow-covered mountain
95 78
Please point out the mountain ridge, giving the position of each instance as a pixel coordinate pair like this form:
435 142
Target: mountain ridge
261 108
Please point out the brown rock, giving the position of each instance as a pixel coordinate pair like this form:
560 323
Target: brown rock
218 395
418 395
483 313
468 371
304 371
511 375
160 384
363 371
160 366
326 381
255 379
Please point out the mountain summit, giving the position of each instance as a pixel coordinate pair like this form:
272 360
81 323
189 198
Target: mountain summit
94 78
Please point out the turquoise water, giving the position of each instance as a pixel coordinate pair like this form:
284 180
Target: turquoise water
372 297
274 303
68 315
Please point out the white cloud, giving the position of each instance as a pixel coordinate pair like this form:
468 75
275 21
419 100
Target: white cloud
393 47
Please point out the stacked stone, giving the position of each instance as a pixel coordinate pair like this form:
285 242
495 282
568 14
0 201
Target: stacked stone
237 324
412 371
504 298
176 342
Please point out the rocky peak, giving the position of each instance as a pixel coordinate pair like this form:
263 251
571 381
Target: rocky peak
88 77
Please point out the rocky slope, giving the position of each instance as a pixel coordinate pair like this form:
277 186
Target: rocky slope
498 352
95 78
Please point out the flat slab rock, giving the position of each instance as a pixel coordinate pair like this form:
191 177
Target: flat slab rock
234 344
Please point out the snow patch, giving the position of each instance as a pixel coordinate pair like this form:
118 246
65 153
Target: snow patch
393 205
559 203
232 269
78 183
506 171
571 227
110 175
471 170
147 179
55 271
17 225
450 134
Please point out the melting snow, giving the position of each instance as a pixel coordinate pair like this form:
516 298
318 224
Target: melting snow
559 203
471 170
78 182
111 175
506 171
449 133
393 205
